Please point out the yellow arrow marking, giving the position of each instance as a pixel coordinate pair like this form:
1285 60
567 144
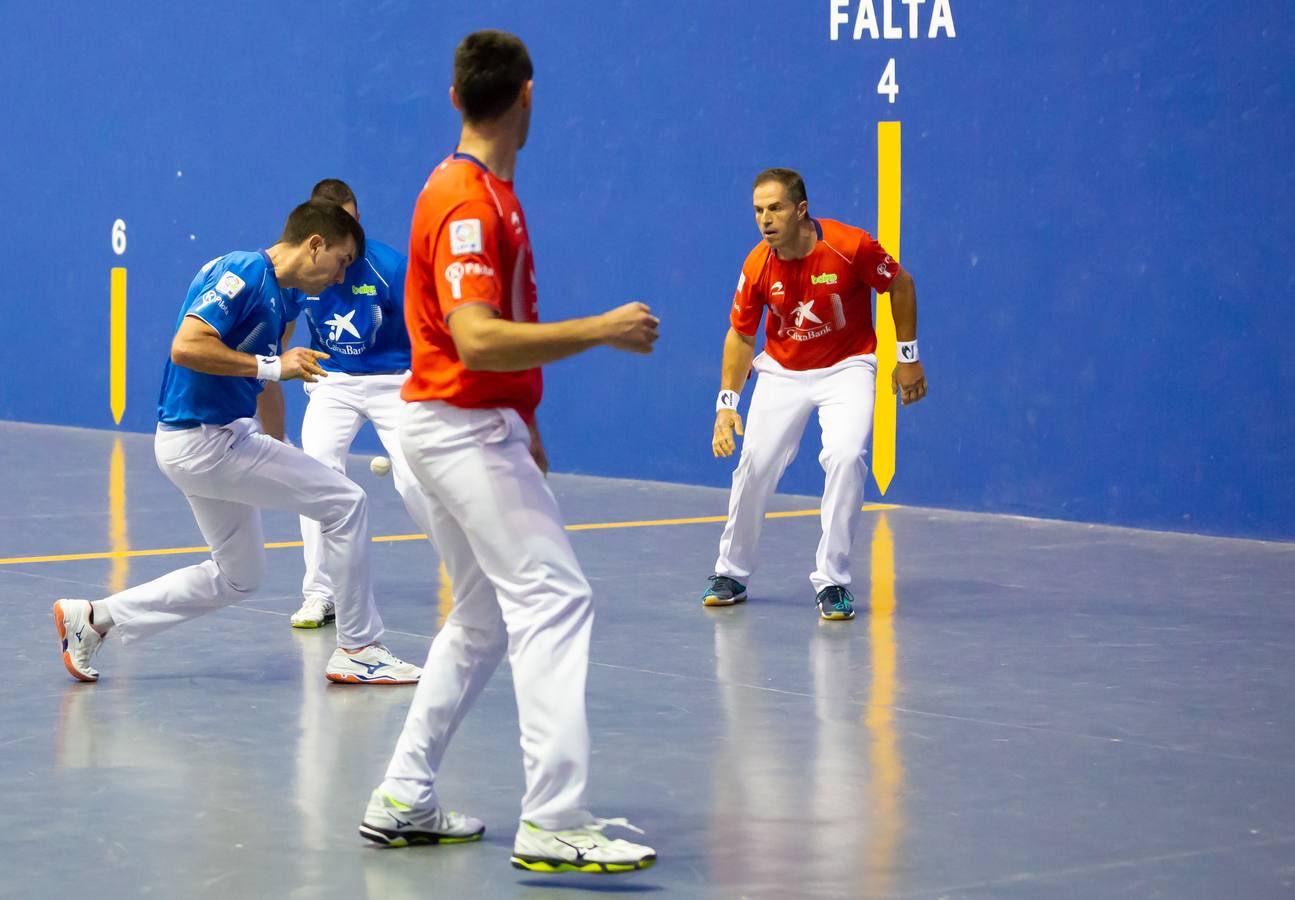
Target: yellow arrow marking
117 345
888 195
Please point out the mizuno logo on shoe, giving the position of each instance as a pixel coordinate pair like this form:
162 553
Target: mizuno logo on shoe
400 823
580 852
78 634
371 667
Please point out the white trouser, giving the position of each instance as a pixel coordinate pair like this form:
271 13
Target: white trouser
780 407
228 473
517 588
339 406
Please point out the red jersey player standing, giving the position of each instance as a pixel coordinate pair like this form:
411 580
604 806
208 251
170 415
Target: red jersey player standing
468 432
816 277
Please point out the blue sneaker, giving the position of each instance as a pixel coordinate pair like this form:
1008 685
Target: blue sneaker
835 603
723 591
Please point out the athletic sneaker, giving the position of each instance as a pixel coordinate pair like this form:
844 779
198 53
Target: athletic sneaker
373 664
388 821
835 603
315 612
723 591
80 640
584 849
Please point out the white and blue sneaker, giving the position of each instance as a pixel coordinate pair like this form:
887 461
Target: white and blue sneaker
584 849
79 638
374 664
395 824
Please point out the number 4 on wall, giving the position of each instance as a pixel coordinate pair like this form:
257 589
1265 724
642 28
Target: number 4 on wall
888 85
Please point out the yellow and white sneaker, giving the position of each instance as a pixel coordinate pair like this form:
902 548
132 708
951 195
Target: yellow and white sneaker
584 849
315 612
79 638
395 824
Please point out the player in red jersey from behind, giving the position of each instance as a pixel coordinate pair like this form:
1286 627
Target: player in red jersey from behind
815 277
468 431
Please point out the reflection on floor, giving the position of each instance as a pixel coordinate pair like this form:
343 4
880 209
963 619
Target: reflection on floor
1021 709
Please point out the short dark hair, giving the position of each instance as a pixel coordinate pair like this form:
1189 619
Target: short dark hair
788 178
326 219
334 190
490 69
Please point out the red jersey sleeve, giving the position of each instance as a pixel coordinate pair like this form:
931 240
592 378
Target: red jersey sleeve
748 301
465 258
874 266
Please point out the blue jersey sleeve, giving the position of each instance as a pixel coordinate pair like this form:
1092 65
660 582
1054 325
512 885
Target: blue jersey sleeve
398 285
222 299
292 301
390 264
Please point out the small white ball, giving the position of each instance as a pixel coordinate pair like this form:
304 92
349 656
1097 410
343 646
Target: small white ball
380 465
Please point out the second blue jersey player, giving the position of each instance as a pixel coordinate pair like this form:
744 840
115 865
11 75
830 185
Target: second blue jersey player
226 347
360 324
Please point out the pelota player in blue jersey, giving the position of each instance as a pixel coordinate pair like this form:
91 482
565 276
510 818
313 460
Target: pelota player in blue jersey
360 325
208 444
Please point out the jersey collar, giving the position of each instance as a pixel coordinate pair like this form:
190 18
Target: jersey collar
269 263
458 154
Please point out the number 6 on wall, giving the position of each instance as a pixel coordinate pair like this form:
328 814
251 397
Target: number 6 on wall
119 237
888 85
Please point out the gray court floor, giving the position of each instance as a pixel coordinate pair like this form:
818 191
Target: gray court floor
1021 709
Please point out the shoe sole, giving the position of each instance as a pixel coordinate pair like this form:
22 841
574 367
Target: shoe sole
327 620
553 866
836 616
414 838
67 656
356 679
720 601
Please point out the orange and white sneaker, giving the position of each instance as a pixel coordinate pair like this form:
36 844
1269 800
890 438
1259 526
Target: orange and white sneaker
79 638
374 664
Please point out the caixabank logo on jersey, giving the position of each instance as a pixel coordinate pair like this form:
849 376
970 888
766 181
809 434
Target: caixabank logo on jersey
347 333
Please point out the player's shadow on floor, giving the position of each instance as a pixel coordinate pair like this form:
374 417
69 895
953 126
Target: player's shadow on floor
564 884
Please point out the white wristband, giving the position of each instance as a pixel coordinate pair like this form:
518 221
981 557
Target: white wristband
727 400
268 368
906 351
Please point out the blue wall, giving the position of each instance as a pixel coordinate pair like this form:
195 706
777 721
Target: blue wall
1098 208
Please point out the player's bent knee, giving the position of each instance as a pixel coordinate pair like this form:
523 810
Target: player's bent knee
246 577
840 458
354 500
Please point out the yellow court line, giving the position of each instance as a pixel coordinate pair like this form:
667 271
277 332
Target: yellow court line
385 538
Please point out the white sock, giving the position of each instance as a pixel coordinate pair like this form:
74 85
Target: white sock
100 618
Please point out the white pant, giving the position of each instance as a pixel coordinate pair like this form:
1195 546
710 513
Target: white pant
339 406
517 588
780 407
228 473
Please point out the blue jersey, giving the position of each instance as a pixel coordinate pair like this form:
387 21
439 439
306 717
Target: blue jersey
238 295
360 323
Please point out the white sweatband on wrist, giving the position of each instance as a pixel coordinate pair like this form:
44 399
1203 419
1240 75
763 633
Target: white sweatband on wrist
906 351
727 400
269 368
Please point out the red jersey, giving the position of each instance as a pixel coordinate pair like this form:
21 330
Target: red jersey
820 307
468 244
